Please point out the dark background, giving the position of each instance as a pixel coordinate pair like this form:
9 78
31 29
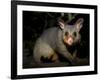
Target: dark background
34 23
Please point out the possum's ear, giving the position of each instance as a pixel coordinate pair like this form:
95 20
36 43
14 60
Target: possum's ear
79 23
61 24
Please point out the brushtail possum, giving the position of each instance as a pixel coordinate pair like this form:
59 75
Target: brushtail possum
55 40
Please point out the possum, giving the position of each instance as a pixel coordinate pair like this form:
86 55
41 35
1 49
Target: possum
56 40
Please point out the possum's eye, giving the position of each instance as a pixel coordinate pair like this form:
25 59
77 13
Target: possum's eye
66 33
75 34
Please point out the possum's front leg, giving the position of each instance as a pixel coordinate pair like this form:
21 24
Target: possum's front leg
75 58
61 48
68 56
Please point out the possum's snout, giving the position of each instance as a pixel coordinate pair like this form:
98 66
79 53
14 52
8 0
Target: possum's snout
68 40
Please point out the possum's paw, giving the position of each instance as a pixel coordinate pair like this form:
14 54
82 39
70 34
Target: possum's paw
46 59
51 59
79 61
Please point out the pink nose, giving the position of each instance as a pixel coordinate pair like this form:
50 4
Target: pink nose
70 41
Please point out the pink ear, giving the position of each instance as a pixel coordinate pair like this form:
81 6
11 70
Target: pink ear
79 23
61 24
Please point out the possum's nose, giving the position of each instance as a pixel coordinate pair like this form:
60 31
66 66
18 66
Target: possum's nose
70 40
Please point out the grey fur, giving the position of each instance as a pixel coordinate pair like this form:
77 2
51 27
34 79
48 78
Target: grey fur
51 41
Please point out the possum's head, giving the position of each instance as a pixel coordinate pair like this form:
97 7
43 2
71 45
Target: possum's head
71 32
